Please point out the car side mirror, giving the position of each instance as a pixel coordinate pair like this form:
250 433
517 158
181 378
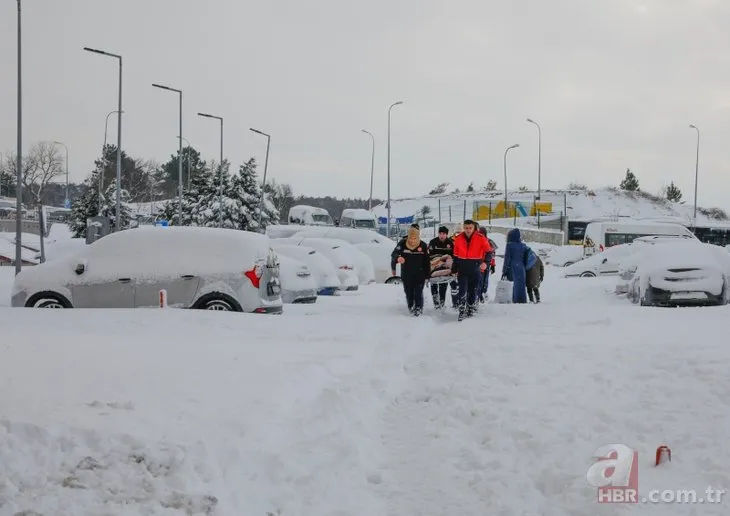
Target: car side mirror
80 267
604 260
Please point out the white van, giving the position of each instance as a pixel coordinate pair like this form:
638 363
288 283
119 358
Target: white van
309 216
358 218
604 234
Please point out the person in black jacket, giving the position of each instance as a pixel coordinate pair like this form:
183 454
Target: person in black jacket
440 246
415 267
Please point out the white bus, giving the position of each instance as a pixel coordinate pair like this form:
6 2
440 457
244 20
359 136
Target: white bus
309 216
603 234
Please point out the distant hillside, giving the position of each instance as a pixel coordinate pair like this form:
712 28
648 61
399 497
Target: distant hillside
580 204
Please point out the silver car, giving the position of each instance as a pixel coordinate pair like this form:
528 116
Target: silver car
183 267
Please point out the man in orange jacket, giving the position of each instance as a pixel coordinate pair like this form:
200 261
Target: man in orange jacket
470 251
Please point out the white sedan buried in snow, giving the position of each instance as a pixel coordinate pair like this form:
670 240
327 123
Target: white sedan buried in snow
681 273
323 272
353 267
297 283
605 263
201 268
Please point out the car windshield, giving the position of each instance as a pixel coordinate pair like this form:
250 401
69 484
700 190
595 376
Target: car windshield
326 219
370 224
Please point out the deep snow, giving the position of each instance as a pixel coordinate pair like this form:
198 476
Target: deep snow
351 407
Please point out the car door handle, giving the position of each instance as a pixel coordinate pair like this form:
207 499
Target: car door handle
187 276
125 280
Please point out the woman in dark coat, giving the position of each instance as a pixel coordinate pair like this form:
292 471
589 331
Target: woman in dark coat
415 267
535 275
515 261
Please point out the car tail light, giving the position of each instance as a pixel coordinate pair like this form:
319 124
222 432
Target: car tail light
346 267
254 275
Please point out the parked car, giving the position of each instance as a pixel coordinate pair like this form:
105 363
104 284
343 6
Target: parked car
606 263
343 261
376 246
564 255
297 283
681 273
630 263
199 268
323 272
361 264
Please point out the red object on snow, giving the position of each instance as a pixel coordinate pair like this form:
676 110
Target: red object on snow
662 452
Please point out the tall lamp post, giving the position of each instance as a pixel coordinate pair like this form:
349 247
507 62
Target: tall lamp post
505 175
67 201
220 171
117 225
697 171
372 169
103 156
266 166
539 156
187 160
389 110
179 155
19 163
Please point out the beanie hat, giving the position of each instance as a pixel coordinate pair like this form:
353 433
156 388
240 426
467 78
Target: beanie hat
444 229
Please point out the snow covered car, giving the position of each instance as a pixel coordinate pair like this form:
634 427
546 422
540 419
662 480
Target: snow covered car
564 255
681 273
363 265
606 263
630 263
297 283
377 247
343 261
200 268
322 270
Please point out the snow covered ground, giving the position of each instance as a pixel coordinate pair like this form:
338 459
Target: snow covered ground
354 408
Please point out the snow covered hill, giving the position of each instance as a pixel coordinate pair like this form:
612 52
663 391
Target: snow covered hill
581 205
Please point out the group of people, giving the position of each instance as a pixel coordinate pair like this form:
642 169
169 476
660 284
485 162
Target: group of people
466 261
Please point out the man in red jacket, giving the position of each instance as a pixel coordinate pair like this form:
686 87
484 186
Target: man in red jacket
470 251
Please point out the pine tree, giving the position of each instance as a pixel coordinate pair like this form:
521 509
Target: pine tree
673 193
109 207
85 207
630 183
247 190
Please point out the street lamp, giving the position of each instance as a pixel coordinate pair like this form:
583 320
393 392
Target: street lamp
66 202
179 155
19 163
187 159
266 166
389 109
103 156
220 171
539 155
118 223
505 175
372 168
697 169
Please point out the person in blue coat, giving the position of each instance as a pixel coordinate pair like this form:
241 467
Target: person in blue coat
514 268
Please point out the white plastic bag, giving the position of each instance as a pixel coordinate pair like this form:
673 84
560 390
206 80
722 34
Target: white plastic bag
503 294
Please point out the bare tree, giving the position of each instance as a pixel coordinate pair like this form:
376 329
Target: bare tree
43 163
10 174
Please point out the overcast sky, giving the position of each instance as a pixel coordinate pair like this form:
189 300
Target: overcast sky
613 83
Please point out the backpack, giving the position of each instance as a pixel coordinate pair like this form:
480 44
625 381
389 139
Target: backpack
531 259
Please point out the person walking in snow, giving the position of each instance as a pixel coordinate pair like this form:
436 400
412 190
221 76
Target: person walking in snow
491 264
441 249
515 265
415 267
535 275
470 250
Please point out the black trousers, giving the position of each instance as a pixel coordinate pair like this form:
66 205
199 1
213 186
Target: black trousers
413 288
534 294
469 285
439 292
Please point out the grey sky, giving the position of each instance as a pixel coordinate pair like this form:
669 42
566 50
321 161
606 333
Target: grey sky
614 84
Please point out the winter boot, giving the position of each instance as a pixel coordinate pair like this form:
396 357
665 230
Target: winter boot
437 302
537 296
471 310
417 312
462 312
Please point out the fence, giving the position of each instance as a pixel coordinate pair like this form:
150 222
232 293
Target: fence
539 236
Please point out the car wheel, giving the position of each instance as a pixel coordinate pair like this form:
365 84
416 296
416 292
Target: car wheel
48 300
646 299
568 264
587 274
394 280
217 302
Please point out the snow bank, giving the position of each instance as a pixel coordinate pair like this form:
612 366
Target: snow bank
351 407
